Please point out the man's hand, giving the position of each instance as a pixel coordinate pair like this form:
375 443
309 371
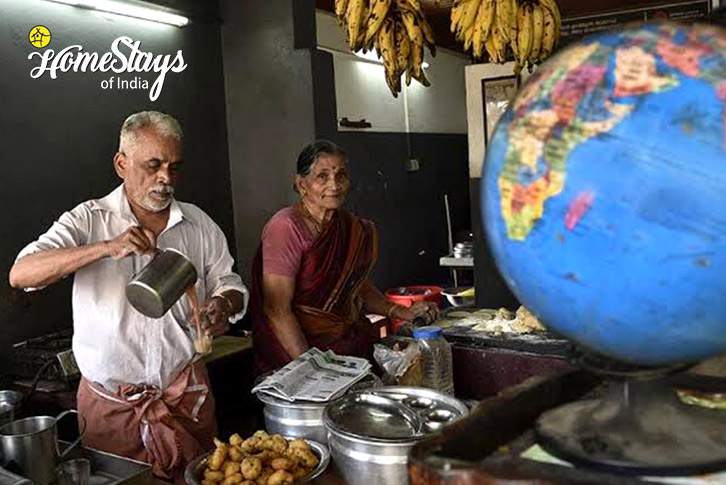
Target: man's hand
135 240
217 312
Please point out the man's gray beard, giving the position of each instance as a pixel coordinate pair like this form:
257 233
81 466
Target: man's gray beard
151 205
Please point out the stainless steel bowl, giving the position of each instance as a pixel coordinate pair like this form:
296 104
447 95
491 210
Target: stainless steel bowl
452 295
10 405
302 419
194 473
370 438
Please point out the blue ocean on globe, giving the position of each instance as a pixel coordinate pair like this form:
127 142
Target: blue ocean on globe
604 193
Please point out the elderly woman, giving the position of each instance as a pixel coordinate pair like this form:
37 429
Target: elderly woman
311 276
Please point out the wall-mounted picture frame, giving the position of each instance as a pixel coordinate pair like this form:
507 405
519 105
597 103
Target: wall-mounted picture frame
497 93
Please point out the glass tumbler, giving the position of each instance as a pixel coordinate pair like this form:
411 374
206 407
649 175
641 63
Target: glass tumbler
74 472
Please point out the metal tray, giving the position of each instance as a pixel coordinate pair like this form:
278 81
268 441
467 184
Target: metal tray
392 414
109 469
435 408
194 473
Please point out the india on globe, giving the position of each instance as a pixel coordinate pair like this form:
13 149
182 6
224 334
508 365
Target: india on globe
604 193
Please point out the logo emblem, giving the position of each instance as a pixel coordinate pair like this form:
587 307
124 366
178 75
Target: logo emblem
39 36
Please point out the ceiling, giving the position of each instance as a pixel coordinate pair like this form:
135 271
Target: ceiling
438 13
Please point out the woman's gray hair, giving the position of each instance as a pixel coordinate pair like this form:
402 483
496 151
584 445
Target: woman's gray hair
163 123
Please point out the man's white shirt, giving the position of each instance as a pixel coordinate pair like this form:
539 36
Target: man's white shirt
112 342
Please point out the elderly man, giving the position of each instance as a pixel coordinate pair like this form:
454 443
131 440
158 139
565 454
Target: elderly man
144 393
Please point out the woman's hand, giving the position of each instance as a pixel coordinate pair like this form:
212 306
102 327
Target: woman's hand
427 310
215 316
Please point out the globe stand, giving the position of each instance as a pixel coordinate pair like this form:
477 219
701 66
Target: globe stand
638 427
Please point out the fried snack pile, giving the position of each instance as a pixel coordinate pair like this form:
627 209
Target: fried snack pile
259 460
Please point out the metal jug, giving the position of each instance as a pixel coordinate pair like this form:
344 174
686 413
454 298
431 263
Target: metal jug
30 445
161 283
10 404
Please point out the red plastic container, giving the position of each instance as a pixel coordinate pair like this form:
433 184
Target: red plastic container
412 295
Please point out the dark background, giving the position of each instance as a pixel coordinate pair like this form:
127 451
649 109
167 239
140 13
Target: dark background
58 136
251 74
408 207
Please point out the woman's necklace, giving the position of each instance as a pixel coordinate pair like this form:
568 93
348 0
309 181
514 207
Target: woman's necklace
318 226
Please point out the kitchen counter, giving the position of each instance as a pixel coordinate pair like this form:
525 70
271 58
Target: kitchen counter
485 363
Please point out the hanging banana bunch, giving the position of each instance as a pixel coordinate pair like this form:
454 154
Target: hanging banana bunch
530 28
396 29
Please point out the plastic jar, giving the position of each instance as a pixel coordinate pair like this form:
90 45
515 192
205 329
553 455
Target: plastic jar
436 356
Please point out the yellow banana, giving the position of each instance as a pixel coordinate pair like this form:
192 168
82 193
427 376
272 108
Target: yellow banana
394 84
428 33
487 21
361 41
472 9
417 61
387 43
503 18
551 5
458 12
513 36
524 32
412 5
500 44
378 11
415 34
479 36
340 8
403 48
491 50
537 32
353 16
548 35
455 16
468 37
427 30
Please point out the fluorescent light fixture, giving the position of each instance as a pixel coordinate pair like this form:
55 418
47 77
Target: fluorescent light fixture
369 56
373 57
129 10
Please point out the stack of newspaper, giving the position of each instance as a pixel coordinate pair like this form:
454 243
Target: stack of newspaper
315 376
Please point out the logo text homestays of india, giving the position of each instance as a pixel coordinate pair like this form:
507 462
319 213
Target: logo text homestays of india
125 57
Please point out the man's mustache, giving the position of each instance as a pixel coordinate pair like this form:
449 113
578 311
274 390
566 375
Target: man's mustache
163 189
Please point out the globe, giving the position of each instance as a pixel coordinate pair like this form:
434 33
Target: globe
604 193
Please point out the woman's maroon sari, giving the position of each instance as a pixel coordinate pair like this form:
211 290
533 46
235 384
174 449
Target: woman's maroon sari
326 287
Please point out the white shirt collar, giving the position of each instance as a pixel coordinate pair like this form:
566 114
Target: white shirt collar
118 203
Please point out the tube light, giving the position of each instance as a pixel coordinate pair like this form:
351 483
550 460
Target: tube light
128 10
369 56
373 57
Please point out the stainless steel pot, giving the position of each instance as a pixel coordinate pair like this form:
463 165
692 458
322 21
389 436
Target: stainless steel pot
161 283
31 445
364 461
370 433
302 419
298 420
10 405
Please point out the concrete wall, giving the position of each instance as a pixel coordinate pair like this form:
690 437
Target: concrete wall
268 86
361 90
407 206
